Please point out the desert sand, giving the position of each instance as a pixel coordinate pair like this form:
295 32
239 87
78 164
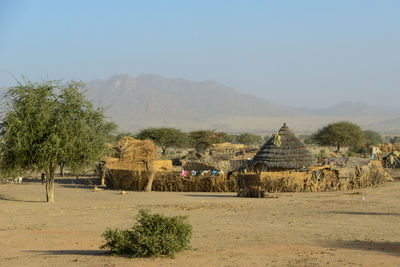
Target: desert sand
353 228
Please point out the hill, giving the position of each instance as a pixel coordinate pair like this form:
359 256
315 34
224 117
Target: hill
153 101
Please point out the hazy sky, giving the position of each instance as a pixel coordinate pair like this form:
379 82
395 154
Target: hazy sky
301 53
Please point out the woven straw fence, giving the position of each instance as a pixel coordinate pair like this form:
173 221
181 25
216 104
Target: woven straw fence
320 179
168 181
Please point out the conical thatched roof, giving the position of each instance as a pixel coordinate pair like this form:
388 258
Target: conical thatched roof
283 151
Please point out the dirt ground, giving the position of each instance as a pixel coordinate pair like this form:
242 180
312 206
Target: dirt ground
353 228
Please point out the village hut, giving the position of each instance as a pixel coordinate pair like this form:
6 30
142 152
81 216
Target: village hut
283 151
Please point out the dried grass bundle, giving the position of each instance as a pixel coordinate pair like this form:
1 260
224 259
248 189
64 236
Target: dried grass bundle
129 149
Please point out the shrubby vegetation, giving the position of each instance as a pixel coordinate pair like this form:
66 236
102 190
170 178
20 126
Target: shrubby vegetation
153 235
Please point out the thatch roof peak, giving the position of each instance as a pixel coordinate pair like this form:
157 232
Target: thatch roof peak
283 151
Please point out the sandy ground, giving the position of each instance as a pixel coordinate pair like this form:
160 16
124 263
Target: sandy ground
354 228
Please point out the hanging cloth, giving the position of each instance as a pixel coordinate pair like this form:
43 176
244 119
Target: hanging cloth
277 140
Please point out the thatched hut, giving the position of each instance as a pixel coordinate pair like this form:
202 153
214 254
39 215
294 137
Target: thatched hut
283 151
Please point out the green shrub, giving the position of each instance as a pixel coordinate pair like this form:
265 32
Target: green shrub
152 235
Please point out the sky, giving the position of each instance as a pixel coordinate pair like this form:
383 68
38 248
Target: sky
295 53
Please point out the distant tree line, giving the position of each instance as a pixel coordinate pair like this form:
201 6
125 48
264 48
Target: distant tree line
200 140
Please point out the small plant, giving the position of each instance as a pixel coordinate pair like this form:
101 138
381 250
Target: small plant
152 235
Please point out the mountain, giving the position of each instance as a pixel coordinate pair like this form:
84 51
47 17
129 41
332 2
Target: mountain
390 127
348 108
153 100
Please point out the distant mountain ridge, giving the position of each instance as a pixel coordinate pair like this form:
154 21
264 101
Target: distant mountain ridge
154 101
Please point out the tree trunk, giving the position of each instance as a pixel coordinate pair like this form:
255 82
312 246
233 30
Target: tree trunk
50 185
152 173
338 148
62 169
103 176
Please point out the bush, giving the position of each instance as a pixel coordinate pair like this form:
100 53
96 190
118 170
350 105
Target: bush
152 235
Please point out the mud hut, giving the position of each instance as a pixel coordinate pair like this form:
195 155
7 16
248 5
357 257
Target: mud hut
283 151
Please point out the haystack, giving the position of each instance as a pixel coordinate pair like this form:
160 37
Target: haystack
131 154
283 151
130 150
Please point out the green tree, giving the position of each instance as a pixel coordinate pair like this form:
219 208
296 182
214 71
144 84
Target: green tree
373 138
340 134
307 139
50 123
221 137
249 139
164 137
110 128
202 139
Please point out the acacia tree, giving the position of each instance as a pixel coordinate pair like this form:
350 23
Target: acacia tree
202 139
164 137
340 134
249 139
372 138
48 124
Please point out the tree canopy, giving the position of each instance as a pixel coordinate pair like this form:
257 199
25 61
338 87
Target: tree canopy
249 139
340 134
164 137
49 123
372 138
202 139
